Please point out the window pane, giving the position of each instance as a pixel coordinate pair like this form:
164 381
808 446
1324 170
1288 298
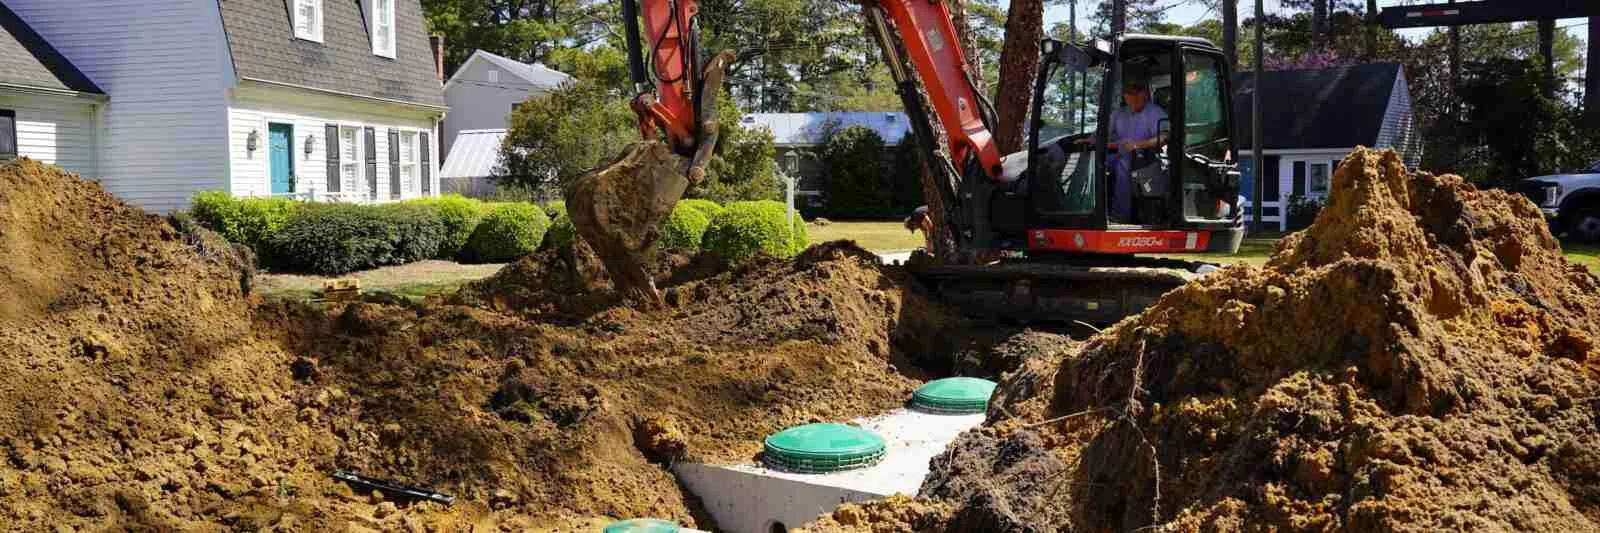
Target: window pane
1203 106
8 135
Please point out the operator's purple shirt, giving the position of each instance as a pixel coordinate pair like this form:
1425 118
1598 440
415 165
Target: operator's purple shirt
1127 127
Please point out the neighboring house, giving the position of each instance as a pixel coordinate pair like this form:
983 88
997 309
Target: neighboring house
312 98
482 93
469 169
1313 118
803 135
48 108
486 87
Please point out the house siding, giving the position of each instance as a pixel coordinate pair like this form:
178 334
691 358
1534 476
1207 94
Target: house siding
477 104
252 108
166 67
55 129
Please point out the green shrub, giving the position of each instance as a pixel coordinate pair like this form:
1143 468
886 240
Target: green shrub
419 231
332 239
706 207
506 233
745 229
684 229
1302 212
247 221
460 216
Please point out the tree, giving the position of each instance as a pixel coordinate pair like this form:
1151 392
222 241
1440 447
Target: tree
857 182
1591 79
1513 129
558 136
555 138
524 30
1230 32
1019 64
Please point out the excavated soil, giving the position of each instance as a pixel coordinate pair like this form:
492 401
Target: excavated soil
1422 358
143 387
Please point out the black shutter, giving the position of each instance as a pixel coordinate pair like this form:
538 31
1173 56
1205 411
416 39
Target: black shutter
394 164
427 178
372 162
1299 178
1269 188
8 134
331 142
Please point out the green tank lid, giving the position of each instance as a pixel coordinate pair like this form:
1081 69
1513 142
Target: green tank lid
954 395
642 525
819 448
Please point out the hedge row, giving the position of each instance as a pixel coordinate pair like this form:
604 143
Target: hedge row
738 231
333 239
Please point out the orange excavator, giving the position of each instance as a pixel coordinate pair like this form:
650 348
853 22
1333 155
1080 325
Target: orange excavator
1054 232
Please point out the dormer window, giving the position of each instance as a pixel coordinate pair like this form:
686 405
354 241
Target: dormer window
383 28
308 20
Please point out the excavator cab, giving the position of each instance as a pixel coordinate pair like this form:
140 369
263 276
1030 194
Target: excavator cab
1179 196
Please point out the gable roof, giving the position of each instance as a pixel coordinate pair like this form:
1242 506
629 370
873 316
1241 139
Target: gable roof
264 48
537 76
1336 107
811 129
474 154
27 60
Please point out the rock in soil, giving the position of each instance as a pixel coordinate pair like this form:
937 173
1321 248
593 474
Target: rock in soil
1422 358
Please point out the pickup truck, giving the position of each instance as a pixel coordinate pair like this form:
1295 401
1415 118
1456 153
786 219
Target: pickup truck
1571 202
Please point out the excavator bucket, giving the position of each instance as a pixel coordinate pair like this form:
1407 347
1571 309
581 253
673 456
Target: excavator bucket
617 209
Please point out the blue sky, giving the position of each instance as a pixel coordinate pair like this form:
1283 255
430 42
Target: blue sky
1188 12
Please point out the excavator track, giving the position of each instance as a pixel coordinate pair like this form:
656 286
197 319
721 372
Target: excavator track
1058 291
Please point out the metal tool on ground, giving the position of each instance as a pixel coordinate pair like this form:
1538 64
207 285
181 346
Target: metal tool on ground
1049 232
392 490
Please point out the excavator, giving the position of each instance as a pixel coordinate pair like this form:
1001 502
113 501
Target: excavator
1029 235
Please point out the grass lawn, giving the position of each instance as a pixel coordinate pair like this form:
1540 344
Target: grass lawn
874 235
1584 254
414 281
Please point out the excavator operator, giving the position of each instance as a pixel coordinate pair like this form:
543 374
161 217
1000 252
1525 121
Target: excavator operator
1134 130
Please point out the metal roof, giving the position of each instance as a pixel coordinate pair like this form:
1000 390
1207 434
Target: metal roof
811 129
474 154
26 60
264 48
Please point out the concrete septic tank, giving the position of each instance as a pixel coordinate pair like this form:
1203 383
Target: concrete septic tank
753 498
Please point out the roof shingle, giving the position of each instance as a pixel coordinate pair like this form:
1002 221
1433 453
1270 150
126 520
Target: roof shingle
262 41
1338 107
27 60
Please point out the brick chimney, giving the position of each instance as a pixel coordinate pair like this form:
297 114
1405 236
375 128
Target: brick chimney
437 42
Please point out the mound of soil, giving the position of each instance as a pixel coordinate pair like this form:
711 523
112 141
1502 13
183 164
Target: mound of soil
1421 358
141 387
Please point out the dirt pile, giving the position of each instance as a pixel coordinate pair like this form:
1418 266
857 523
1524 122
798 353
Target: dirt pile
1421 358
142 387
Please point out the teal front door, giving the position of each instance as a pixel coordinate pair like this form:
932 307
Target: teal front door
280 157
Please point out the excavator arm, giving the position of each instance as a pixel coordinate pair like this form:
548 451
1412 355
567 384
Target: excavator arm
922 34
617 209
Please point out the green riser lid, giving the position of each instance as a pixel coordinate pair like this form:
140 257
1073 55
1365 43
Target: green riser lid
642 525
821 448
954 395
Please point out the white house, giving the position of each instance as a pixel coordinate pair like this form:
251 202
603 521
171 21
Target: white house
48 108
1312 118
255 97
482 93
